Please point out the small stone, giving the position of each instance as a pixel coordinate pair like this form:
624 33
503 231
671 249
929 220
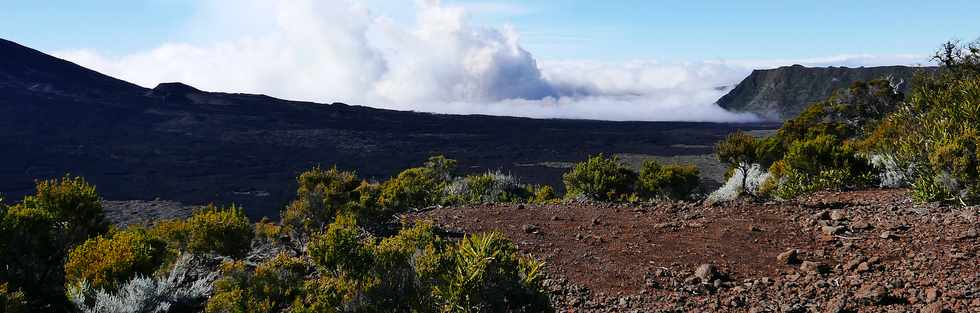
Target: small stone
692 280
933 308
836 305
789 257
578 237
837 215
932 294
854 263
863 267
811 267
872 292
971 233
831 230
530 228
706 272
859 225
554 217
886 235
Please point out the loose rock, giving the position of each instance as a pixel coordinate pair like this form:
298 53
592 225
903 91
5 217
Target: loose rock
789 257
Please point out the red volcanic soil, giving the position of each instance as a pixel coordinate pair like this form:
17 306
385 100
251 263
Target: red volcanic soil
864 251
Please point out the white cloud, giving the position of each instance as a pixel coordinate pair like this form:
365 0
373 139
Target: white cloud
337 50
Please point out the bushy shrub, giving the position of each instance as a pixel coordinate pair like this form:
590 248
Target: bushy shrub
739 151
677 182
339 248
934 134
322 194
38 232
413 188
416 271
821 163
224 231
268 231
600 178
354 272
544 195
74 203
271 287
12 301
182 289
491 187
105 261
488 275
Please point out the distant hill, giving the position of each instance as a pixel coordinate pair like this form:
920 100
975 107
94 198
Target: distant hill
782 93
176 142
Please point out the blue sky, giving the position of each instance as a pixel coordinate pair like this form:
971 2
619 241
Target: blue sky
571 29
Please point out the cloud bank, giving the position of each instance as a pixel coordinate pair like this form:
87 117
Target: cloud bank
337 50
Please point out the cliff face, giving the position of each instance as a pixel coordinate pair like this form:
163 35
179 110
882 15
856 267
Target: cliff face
782 93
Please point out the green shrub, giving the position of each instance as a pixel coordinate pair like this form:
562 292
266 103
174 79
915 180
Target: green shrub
412 189
600 178
442 168
105 261
322 194
74 203
38 232
417 271
544 195
488 275
12 301
339 248
822 163
224 231
934 134
386 276
268 231
175 233
677 182
271 287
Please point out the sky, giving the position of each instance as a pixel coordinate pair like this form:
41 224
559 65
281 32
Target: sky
615 60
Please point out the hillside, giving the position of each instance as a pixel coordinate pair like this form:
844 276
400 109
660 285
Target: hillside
175 142
782 93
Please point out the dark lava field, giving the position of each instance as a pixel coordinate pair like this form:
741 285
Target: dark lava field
175 142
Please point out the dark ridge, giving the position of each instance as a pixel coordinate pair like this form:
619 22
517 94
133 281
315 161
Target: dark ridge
173 89
27 68
782 93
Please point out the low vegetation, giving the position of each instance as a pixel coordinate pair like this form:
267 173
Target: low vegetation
602 178
871 134
323 257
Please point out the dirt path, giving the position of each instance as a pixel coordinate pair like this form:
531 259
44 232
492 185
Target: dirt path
605 257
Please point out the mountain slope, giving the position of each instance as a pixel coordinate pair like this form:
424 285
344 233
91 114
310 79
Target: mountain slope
784 92
179 143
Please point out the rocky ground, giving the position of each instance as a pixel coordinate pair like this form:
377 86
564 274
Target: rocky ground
863 251
123 213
